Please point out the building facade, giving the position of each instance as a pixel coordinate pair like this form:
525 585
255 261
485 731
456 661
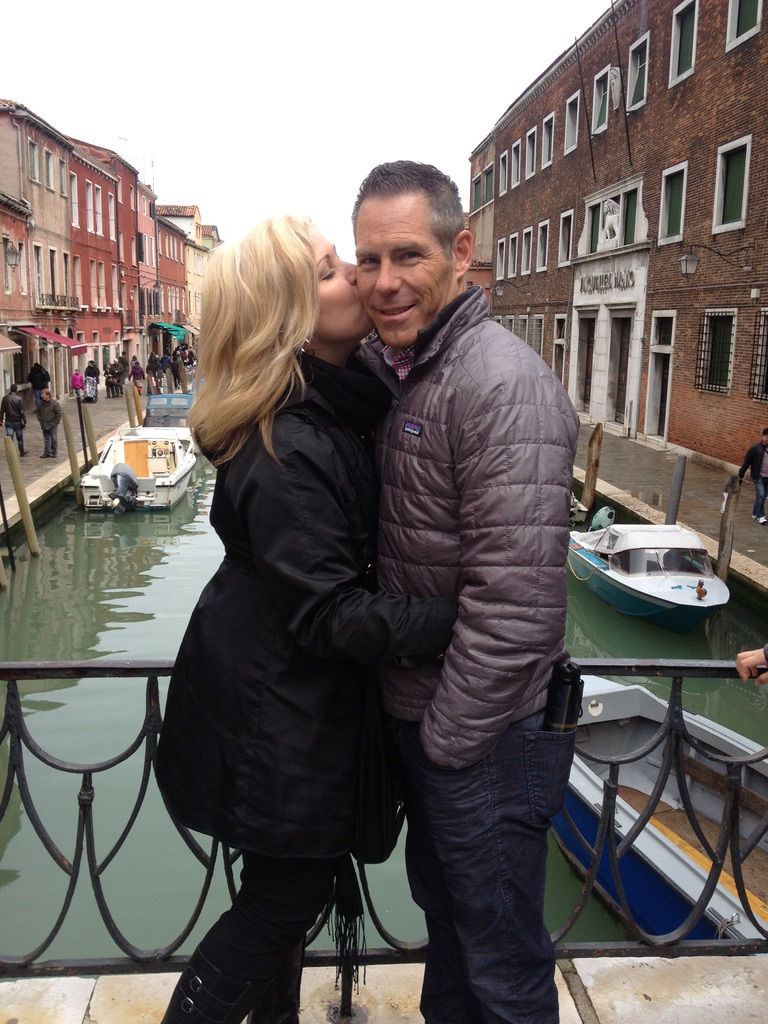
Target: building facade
84 275
627 194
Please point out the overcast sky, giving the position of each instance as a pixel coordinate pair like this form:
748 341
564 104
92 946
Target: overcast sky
248 110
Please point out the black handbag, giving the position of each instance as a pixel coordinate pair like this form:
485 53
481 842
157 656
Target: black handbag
379 804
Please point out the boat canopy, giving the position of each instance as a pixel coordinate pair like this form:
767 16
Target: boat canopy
627 537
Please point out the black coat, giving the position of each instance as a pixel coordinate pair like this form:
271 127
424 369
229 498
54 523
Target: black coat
259 742
753 461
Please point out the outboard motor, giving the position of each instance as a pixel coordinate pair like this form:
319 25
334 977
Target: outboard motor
602 518
126 492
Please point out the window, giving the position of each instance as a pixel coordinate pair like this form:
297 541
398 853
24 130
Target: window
547 140
744 19
6 267
102 286
514 170
63 177
76 281
593 215
538 334
530 153
512 262
52 274
566 238
89 206
713 364
628 216
542 246
502 174
638 73
600 102
731 185
49 174
97 209
132 196
759 376
488 185
477 193
500 258
67 281
521 327
525 259
683 53
672 210
112 217
37 269
119 190
571 137
73 201
612 218
558 347
115 292
33 157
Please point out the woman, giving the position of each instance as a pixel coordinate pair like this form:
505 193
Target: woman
258 747
77 383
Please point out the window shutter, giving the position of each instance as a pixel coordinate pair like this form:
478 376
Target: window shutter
639 91
733 185
674 203
685 46
747 17
594 227
630 216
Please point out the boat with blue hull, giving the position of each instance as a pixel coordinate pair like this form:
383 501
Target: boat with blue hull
659 573
662 872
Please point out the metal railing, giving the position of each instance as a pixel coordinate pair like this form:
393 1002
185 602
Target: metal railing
52 300
82 860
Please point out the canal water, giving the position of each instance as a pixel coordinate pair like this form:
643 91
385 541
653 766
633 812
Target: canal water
123 587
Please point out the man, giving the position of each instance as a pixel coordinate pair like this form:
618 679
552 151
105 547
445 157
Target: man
38 378
12 412
476 460
756 460
49 414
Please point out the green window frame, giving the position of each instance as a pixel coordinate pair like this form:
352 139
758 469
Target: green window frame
674 188
746 19
600 113
639 72
488 185
594 227
476 194
630 217
734 175
686 33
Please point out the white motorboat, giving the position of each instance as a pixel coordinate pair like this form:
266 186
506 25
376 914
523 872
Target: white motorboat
658 573
141 468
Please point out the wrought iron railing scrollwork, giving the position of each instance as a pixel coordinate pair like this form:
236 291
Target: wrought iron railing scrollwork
670 738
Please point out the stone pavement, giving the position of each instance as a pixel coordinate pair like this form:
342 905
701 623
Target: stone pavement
715 990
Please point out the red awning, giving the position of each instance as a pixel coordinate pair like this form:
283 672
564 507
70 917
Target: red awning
58 339
6 345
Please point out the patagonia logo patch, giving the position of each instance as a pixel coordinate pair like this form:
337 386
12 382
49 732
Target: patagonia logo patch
412 428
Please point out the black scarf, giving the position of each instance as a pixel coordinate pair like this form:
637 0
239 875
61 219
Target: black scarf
358 397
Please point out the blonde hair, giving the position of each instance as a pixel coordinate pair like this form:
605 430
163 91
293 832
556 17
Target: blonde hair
260 303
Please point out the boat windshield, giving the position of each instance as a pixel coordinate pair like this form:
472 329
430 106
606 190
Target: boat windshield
663 562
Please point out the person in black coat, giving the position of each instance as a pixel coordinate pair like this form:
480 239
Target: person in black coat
756 461
260 735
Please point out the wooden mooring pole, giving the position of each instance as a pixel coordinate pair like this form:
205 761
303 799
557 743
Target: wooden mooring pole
727 525
593 465
14 465
676 490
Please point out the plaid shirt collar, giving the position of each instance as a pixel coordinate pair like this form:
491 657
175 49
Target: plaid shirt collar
400 359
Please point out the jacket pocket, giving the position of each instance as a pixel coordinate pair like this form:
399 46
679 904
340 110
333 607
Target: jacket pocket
548 759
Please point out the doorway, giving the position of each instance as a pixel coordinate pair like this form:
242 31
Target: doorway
618 361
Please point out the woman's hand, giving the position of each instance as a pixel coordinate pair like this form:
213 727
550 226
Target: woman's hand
751 664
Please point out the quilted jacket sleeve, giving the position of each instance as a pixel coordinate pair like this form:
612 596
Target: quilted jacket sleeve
514 444
298 524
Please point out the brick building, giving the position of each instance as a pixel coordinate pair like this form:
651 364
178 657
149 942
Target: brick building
622 199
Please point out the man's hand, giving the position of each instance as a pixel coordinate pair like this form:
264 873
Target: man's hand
751 665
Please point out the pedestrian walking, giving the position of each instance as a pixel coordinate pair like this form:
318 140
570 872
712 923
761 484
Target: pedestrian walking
78 384
756 461
49 414
12 414
38 378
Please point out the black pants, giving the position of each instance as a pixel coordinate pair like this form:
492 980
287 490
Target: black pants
278 902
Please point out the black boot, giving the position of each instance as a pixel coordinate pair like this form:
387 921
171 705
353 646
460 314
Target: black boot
205 995
283 1007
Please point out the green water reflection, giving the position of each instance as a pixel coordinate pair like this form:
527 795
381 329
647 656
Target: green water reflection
124 587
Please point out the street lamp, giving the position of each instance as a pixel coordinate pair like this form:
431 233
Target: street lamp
689 261
12 254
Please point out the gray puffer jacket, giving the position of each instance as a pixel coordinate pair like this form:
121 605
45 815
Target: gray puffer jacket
476 463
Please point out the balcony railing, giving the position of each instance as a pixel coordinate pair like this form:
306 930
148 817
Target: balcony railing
82 859
48 300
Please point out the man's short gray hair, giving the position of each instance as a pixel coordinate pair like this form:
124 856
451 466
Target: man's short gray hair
404 177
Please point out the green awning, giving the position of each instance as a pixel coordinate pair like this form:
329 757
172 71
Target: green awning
174 329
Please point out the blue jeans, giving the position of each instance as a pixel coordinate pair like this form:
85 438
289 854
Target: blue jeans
761 487
476 855
14 428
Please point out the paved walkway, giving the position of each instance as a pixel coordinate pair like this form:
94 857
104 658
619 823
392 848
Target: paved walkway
718 990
